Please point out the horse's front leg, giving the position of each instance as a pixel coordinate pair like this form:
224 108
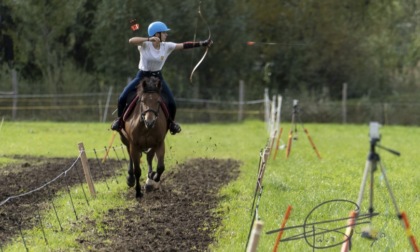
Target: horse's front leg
150 182
150 156
130 178
160 155
153 180
135 156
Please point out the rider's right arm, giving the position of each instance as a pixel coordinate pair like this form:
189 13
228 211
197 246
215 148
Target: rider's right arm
139 40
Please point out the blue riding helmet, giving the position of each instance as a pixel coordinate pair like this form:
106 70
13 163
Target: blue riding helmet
157 27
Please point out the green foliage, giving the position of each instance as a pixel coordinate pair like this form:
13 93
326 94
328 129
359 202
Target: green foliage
324 44
318 45
44 37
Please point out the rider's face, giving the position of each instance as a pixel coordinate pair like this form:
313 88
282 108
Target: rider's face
163 36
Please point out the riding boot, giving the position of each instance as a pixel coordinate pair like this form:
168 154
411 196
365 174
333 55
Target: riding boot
174 128
116 125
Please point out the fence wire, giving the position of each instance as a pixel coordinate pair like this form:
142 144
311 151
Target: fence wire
15 217
94 107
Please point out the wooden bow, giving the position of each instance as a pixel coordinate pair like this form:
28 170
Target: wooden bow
208 39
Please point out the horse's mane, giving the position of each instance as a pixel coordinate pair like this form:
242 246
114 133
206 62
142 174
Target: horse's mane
149 85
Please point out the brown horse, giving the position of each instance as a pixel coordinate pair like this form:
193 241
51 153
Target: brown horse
145 131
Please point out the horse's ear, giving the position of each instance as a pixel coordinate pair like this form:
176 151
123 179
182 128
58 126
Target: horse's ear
139 85
159 84
143 83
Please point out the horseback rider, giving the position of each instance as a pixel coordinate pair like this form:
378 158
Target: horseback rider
154 50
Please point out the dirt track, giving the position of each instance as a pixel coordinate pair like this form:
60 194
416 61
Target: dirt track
178 217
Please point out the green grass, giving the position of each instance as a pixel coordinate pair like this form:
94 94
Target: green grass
66 239
301 181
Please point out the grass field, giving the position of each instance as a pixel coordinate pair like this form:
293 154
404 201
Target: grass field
302 181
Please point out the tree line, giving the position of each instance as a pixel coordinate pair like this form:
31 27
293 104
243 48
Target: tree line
306 47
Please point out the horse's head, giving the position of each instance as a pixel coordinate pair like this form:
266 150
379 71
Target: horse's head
149 98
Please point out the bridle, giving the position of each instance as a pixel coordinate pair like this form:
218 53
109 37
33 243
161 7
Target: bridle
155 112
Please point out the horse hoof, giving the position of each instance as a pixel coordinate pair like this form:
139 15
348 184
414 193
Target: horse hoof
148 188
131 181
151 185
139 195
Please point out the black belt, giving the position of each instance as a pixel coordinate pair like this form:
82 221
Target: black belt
151 73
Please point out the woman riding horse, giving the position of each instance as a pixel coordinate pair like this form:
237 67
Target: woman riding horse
154 50
144 131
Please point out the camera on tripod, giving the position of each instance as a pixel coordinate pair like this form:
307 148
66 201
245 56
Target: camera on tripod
295 106
295 103
374 131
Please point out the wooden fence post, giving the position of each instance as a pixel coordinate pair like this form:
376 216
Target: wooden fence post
255 236
86 170
267 109
344 104
15 93
108 98
263 164
278 111
241 101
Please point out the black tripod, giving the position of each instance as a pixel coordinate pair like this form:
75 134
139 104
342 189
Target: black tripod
372 163
293 130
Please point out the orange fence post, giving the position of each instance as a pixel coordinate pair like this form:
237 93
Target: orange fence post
312 143
408 232
110 145
283 224
289 143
